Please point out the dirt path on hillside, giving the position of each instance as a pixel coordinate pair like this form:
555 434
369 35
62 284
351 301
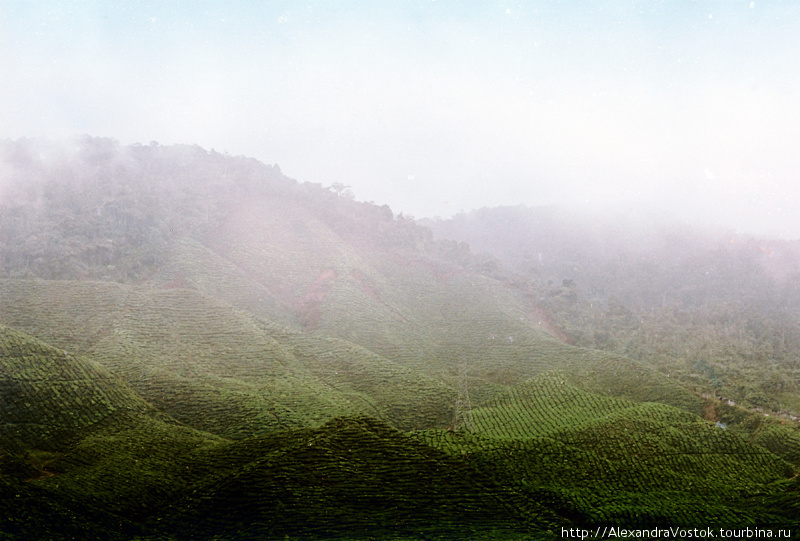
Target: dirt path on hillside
545 322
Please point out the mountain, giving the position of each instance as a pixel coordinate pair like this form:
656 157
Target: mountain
194 345
714 309
643 260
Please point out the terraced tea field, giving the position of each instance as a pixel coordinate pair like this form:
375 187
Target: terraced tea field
259 359
609 460
120 463
217 368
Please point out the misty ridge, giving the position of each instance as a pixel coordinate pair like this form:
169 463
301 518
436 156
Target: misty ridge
645 261
111 200
118 208
93 209
193 344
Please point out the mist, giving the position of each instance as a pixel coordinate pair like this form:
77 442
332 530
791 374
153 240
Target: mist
409 269
649 108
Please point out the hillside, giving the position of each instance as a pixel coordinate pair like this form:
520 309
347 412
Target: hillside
604 460
545 455
63 416
217 368
194 345
94 459
714 309
645 261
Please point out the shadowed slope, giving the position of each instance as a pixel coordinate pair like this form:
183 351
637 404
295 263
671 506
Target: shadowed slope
117 472
50 398
358 478
81 454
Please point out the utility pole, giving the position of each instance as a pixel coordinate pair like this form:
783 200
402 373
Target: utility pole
463 410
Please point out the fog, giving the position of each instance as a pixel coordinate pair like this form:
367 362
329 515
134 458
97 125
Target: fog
683 109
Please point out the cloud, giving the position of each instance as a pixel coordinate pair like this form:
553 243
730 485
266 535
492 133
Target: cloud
609 105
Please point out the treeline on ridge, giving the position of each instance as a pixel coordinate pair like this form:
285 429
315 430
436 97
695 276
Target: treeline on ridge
96 209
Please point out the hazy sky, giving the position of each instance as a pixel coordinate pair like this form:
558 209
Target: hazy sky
439 106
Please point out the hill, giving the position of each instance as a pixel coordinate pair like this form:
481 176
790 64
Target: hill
95 461
195 345
602 460
714 309
544 456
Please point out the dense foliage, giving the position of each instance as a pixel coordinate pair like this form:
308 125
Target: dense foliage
713 309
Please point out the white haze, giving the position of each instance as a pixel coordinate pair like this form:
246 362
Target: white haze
688 109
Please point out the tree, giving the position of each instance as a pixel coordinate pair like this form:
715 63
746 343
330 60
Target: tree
342 190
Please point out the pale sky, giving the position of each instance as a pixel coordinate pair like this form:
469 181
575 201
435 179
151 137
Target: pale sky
433 107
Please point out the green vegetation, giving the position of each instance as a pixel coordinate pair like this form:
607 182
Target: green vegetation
715 310
193 346
604 460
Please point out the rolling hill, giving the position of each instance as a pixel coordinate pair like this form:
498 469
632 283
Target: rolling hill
94 449
193 345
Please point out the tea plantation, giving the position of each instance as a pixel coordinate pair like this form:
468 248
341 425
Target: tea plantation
195 347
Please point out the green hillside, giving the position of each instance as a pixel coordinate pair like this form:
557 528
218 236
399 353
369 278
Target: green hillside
603 460
82 454
217 368
544 456
50 397
223 370
355 478
120 469
194 346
